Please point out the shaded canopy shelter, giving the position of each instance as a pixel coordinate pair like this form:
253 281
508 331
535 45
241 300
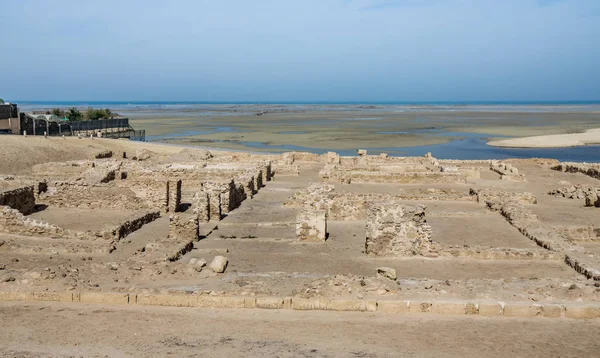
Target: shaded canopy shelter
48 119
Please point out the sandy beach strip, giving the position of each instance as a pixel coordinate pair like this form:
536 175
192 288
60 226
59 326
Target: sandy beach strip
591 136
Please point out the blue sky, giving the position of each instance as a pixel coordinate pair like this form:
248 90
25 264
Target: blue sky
302 50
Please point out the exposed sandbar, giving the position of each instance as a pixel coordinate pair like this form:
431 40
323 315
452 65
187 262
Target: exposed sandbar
591 136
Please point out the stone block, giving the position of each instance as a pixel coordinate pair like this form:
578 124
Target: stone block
104 298
249 302
552 311
307 304
490 309
371 305
471 308
165 300
449 308
362 152
347 305
221 302
53 296
522 310
398 230
269 302
419 307
311 226
16 296
582 311
393 306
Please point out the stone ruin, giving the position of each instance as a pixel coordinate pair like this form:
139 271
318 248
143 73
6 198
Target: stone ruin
21 199
575 191
398 230
507 171
589 169
311 226
353 206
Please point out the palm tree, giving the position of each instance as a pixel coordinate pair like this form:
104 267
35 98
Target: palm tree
1 101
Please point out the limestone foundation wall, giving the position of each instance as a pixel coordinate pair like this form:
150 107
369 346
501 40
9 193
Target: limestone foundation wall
129 225
496 195
592 170
398 230
21 199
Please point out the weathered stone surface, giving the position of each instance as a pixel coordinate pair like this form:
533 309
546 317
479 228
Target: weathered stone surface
104 154
398 230
183 226
311 226
496 195
21 199
201 206
174 196
129 225
387 272
219 264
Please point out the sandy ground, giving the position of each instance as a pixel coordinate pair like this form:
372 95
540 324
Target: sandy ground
18 154
591 136
267 260
42 330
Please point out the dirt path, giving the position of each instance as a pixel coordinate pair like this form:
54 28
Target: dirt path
52 329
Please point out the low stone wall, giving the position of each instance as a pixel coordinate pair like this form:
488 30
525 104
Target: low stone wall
506 171
592 170
154 193
14 222
131 224
183 232
528 224
285 169
398 230
575 191
487 253
490 308
21 199
96 196
401 178
578 233
352 206
495 195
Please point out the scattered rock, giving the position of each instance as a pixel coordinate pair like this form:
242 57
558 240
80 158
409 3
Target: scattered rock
200 263
219 264
387 272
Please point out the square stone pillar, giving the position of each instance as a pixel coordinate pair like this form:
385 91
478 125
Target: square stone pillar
311 226
398 230
173 200
201 206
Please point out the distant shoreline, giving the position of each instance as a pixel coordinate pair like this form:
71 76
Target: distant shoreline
357 103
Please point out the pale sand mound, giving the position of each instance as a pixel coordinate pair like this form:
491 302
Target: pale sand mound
591 136
18 154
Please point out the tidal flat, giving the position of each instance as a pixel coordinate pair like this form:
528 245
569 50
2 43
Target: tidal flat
398 130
